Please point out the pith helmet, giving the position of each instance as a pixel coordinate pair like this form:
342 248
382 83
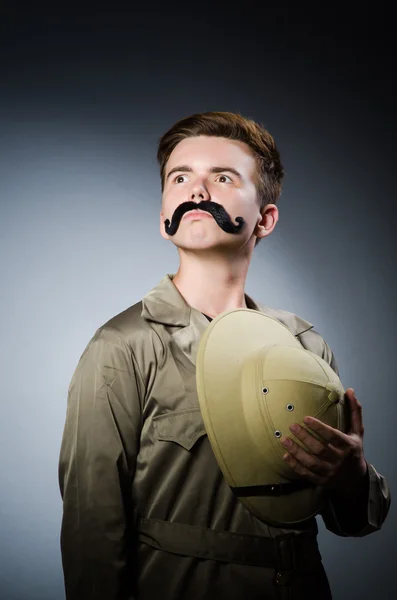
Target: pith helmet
254 379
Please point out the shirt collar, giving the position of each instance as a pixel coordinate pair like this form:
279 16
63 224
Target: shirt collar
164 304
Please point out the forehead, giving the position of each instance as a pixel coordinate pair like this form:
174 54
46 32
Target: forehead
204 151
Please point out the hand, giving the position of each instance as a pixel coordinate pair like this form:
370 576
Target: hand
338 462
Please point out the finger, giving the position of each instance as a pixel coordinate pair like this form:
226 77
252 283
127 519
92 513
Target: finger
356 411
307 460
315 446
333 436
303 471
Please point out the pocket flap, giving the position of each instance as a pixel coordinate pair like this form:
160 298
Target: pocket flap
184 427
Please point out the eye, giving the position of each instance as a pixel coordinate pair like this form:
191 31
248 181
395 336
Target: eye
226 176
179 177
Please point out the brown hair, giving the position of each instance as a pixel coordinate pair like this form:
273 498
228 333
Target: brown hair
232 126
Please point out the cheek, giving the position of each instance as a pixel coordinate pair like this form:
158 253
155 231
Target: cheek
172 199
168 202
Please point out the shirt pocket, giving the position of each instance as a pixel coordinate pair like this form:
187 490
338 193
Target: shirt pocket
184 427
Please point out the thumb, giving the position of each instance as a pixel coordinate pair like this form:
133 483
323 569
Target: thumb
356 419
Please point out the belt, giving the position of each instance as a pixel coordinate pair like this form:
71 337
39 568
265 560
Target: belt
285 552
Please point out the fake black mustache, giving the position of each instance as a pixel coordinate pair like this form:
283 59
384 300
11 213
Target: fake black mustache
216 210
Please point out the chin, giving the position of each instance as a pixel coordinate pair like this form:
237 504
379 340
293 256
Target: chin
203 245
195 246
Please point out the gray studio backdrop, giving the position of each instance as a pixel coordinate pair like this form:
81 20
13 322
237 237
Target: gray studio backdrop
80 242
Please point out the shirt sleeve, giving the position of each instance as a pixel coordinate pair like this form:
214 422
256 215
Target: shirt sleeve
363 516
96 467
367 511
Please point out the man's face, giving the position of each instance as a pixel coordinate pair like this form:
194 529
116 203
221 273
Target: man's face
220 172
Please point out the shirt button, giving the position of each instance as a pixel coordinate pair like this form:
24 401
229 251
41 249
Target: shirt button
282 578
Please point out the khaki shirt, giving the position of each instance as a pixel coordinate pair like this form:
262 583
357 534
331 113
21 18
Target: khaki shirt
145 504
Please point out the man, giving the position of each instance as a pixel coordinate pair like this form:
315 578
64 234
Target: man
147 512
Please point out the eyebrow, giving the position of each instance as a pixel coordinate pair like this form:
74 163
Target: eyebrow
188 169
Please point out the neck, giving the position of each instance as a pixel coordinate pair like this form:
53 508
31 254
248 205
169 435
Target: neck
211 284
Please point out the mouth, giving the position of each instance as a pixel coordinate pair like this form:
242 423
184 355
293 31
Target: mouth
197 213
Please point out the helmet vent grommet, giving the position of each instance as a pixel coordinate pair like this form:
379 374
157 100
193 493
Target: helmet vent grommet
265 390
277 433
290 407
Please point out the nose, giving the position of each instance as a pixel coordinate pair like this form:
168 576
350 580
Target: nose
199 192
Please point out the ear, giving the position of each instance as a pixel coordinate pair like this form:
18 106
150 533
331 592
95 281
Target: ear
267 222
